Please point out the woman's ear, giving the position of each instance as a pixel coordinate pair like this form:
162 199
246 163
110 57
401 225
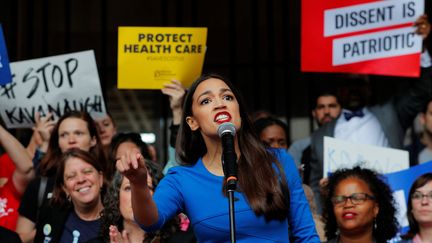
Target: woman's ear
93 142
65 191
193 124
376 209
422 118
101 179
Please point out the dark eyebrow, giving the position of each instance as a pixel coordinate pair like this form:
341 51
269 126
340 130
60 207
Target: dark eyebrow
222 90
204 93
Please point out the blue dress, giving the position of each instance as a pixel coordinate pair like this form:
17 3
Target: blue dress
198 193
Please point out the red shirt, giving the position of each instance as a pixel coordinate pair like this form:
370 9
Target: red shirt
9 196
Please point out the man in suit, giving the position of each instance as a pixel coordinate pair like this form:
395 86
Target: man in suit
327 108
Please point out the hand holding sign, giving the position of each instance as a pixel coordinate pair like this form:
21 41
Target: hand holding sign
176 92
423 26
44 126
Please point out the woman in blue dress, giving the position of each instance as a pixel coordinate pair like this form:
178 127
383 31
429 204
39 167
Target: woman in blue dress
270 205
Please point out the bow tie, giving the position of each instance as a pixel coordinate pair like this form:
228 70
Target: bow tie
348 115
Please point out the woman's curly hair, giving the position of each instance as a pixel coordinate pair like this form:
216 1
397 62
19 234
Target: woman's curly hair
111 214
386 222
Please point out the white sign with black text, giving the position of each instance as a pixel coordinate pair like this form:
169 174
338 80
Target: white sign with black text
342 154
56 84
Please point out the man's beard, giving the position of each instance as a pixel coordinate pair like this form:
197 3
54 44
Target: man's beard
326 119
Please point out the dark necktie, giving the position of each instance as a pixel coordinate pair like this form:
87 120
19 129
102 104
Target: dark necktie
348 115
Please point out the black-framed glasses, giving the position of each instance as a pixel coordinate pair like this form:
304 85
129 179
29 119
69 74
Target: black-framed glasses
355 198
418 196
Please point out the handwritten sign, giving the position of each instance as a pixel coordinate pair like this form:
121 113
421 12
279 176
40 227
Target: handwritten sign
358 36
5 73
148 57
342 154
56 84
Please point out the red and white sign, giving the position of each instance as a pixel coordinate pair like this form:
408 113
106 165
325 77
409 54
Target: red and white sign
361 36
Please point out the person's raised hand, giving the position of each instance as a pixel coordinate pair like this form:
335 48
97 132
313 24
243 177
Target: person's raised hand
176 93
423 26
44 126
116 236
323 186
132 165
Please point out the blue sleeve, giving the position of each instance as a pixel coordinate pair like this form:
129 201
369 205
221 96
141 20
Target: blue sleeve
411 102
168 199
301 224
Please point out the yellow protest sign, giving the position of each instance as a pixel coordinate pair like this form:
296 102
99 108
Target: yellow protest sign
148 57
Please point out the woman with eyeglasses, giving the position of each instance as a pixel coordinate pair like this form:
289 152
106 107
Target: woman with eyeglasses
420 210
359 207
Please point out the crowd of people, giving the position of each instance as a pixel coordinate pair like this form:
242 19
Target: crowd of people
81 180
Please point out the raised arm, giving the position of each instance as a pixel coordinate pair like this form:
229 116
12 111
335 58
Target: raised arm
44 127
41 134
24 167
176 93
412 101
132 165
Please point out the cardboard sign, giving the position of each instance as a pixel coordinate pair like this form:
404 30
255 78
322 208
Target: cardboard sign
56 84
148 57
361 36
5 73
342 154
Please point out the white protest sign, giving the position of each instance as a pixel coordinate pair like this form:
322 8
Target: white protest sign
56 84
380 44
342 154
370 15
